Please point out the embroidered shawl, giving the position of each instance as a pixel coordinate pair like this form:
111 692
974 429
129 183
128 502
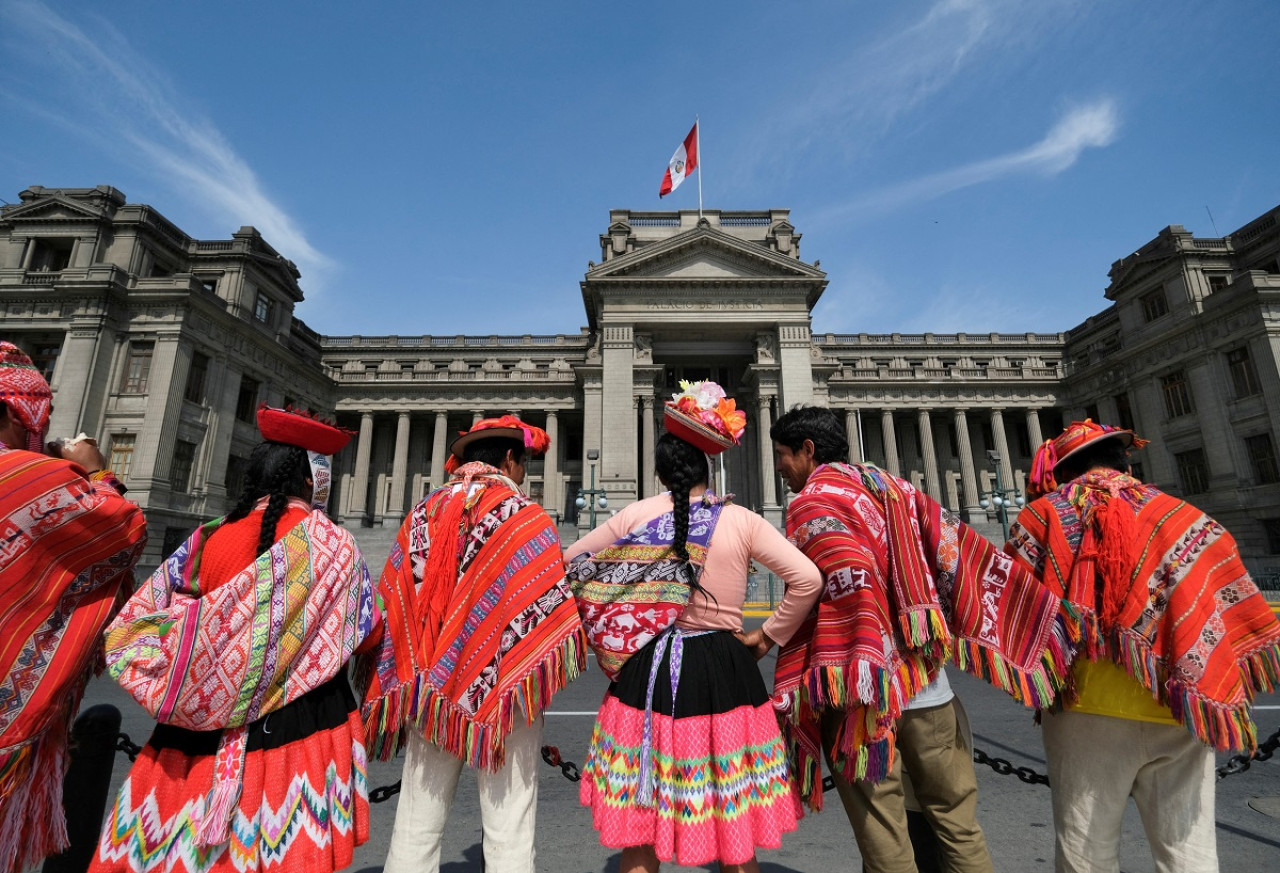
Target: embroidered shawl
480 622
907 586
1163 593
67 546
219 660
634 589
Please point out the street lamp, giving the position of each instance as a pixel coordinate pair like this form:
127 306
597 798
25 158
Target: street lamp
1001 498
593 496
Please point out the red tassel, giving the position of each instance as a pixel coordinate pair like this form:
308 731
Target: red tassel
1116 527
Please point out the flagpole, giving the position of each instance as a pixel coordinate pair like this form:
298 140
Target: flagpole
698 139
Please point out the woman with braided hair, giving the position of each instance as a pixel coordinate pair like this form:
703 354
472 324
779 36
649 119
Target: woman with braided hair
238 645
686 762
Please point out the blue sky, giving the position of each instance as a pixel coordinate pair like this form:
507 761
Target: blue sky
955 165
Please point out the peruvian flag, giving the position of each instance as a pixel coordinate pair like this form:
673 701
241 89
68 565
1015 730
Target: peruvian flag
683 162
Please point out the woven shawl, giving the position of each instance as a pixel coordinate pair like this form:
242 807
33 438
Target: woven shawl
471 638
219 660
907 586
67 547
1167 599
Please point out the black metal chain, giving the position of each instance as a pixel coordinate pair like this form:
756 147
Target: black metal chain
130 748
551 755
386 792
1006 768
1240 763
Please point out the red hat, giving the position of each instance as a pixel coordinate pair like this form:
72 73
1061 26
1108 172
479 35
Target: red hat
703 416
535 439
1074 439
302 429
26 394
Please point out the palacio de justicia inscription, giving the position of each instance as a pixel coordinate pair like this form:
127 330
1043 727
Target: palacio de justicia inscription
163 346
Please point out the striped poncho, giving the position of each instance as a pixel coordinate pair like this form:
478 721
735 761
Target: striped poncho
67 546
907 586
480 622
1162 592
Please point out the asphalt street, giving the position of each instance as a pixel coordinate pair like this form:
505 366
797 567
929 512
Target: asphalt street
1015 815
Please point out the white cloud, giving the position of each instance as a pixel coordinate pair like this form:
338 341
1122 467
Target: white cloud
103 89
1090 126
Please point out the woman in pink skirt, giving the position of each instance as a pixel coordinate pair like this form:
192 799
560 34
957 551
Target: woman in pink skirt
686 762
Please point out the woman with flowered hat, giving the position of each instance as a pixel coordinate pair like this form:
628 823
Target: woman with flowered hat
1177 641
686 762
238 645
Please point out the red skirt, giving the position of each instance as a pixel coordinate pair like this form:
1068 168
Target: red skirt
720 778
304 806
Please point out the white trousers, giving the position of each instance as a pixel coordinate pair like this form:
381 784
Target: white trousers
508 803
1096 762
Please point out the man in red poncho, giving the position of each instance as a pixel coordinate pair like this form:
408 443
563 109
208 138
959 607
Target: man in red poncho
1177 640
68 542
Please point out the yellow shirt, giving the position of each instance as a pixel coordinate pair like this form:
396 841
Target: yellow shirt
1106 689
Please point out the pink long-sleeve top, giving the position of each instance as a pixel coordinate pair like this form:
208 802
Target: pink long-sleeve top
740 537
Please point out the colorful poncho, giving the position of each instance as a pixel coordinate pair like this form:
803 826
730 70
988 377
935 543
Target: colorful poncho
480 622
907 587
1161 592
67 547
285 625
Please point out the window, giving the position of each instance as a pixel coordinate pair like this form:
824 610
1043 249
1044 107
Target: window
45 358
1271 530
1022 434
1154 305
1244 376
234 479
1135 470
122 445
1217 283
1091 412
1124 412
174 537
1177 394
262 307
1262 456
1193 471
247 399
137 370
196 377
209 285
51 255
184 457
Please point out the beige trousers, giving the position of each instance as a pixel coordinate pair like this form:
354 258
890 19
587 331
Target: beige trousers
508 803
940 765
1097 762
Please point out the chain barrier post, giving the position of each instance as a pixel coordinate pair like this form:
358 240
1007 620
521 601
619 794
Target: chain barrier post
86 786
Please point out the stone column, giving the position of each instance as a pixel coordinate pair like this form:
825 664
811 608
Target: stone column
360 483
932 484
439 448
853 433
399 466
619 470
1033 429
968 475
77 379
795 365
1002 446
647 429
890 442
768 478
551 499
166 384
476 415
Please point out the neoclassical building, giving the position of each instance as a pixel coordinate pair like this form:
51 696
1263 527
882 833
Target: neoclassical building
162 346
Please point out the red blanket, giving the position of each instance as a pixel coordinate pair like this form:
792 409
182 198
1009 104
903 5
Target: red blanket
67 546
907 587
491 630
1162 592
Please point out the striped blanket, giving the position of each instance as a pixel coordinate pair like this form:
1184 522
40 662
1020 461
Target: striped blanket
1161 592
480 622
218 660
67 546
907 586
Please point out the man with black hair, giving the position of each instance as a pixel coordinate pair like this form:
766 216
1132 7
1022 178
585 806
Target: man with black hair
930 743
1178 639
482 631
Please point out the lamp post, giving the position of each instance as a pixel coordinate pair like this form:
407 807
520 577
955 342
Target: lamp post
592 496
1000 497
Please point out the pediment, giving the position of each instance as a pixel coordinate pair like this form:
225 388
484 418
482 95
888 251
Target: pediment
53 208
704 253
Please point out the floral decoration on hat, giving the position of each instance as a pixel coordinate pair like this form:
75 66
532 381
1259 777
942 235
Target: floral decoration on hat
301 428
1079 435
535 439
703 415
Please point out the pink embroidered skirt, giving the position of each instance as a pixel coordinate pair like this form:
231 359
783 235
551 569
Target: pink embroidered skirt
718 767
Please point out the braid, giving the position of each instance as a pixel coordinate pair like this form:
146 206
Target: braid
276 471
276 504
679 483
681 466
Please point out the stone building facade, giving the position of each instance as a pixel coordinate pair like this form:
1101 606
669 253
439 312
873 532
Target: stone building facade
161 346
